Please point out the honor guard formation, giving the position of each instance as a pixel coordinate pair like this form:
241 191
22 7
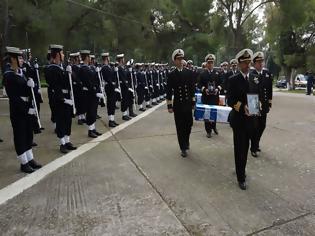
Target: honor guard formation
79 84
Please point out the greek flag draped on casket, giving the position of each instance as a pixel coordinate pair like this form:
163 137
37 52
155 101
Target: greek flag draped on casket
213 113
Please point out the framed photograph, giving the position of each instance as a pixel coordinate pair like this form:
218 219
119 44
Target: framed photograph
253 104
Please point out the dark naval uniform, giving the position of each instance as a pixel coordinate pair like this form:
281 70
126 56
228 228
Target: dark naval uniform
265 97
209 80
243 126
110 86
181 85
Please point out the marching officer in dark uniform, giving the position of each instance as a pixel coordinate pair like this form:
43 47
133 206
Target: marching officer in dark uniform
18 89
233 71
181 85
62 102
224 75
91 93
209 83
148 92
241 121
265 97
131 88
110 86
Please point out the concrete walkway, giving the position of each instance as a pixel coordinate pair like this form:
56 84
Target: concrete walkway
135 182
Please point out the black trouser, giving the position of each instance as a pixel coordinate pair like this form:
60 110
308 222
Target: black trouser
22 132
183 122
63 119
259 128
242 133
83 102
125 101
77 91
309 88
140 95
111 100
147 95
91 112
210 125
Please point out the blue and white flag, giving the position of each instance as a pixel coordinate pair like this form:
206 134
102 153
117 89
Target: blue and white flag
213 113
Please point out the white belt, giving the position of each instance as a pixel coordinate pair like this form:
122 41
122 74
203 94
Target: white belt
85 89
65 90
25 99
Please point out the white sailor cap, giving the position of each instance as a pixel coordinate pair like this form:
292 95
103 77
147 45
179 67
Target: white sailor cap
152 64
190 62
233 61
120 56
85 52
55 47
258 56
225 63
48 51
178 53
13 51
244 55
92 56
75 54
105 54
210 57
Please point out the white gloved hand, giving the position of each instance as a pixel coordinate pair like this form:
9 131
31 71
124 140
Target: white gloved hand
97 69
145 87
30 83
68 102
39 91
131 90
31 111
69 69
117 90
100 95
36 66
219 87
116 69
130 69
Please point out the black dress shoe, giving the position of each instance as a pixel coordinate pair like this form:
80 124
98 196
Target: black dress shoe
154 103
42 128
184 153
98 117
34 164
91 134
242 185
34 144
254 154
216 131
116 123
111 124
80 122
63 149
133 115
142 109
148 106
258 150
1 140
116 108
97 133
126 118
70 146
209 135
26 168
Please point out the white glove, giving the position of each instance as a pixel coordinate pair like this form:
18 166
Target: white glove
117 90
68 102
36 66
116 69
30 83
39 91
130 69
219 87
131 90
145 87
97 69
100 95
69 69
31 111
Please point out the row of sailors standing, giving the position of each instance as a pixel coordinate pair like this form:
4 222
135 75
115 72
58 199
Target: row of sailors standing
76 90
